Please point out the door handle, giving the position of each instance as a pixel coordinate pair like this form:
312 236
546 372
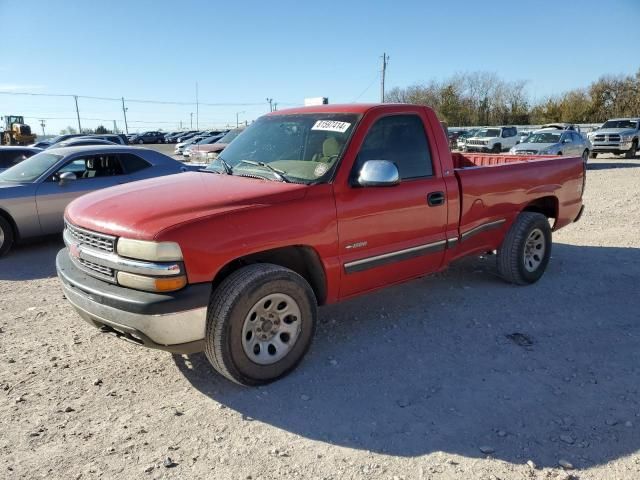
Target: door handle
435 199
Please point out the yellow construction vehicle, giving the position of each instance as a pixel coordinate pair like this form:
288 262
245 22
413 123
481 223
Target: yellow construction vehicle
15 131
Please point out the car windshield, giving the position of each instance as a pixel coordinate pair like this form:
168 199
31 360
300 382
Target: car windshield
488 132
544 137
620 124
302 148
30 169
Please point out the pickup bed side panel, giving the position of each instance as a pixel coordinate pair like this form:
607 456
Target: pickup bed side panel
492 197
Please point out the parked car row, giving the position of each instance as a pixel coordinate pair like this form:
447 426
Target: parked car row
619 136
154 136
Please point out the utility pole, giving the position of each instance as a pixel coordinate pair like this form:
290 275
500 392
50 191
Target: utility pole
191 121
42 124
238 118
275 106
115 128
197 109
270 100
75 97
385 59
124 112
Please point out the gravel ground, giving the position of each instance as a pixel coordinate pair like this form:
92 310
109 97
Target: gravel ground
421 381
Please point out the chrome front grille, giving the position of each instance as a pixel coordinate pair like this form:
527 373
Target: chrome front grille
475 142
614 138
101 269
601 137
100 241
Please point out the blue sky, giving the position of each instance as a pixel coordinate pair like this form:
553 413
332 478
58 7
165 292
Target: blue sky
244 52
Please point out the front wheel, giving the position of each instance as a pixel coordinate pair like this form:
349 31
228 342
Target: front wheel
6 236
632 151
585 156
140 142
593 155
497 148
260 323
526 249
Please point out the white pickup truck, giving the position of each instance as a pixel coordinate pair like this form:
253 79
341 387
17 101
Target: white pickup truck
493 139
619 135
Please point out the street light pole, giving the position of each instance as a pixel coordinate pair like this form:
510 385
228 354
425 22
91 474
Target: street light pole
75 97
191 121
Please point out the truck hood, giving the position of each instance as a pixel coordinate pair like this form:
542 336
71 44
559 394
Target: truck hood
621 131
143 209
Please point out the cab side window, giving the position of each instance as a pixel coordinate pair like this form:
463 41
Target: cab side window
401 139
93 166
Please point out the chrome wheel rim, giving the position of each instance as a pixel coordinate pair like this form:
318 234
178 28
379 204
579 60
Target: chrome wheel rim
271 328
1 237
534 249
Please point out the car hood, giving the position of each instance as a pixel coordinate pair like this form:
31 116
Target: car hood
144 209
621 131
535 146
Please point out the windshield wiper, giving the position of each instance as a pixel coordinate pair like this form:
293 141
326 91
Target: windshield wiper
280 174
227 168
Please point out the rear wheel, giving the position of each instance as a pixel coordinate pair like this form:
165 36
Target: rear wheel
260 323
140 142
631 153
526 249
6 236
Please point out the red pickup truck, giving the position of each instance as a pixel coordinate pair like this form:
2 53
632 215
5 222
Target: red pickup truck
308 206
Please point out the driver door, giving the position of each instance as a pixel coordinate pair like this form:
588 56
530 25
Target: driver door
92 172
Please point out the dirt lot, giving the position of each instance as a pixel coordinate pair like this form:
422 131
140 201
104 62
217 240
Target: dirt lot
420 381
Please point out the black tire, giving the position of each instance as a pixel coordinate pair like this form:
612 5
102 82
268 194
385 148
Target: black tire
140 142
593 155
585 156
511 254
497 148
7 236
631 153
230 304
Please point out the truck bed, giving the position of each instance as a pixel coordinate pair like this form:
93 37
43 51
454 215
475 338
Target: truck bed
495 188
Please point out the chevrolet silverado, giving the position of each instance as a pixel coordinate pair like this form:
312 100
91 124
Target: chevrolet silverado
307 207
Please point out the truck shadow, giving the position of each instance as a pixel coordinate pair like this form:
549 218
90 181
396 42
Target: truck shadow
461 360
612 165
31 260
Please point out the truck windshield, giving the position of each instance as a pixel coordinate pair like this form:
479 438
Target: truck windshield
30 169
488 132
305 148
620 124
544 137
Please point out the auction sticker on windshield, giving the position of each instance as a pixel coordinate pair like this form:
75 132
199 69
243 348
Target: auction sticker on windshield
331 126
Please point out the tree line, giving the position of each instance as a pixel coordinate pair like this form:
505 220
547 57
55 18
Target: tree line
483 98
99 130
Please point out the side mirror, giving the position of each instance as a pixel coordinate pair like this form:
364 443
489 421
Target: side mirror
566 140
517 142
378 173
66 177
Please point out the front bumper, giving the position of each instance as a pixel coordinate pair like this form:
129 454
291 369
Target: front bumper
476 148
618 147
173 321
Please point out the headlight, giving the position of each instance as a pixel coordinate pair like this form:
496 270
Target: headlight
212 155
626 138
151 284
512 150
151 251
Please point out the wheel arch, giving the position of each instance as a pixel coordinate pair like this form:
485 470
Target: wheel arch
302 259
547 206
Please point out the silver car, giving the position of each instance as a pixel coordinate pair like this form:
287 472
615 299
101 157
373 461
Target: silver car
551 141
35 192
